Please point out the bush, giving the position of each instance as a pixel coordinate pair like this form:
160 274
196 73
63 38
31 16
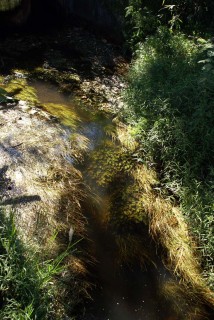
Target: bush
170 102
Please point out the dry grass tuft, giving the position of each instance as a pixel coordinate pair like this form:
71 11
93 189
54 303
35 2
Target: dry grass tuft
168 228
183 301
79 145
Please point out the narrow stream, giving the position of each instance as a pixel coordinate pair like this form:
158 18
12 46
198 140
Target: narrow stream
121 291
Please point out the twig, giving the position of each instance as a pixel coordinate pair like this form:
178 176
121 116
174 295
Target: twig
17 145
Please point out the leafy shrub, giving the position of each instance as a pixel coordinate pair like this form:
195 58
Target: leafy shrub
141 20
170 102
192 14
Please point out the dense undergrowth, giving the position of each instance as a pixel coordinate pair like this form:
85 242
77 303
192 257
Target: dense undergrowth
169 101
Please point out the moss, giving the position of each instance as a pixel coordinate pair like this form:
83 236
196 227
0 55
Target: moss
20 90
67 116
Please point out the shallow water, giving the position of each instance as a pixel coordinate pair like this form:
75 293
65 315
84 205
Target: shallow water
127 291
91 124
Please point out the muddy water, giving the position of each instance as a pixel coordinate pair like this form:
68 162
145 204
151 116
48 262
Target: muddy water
121 291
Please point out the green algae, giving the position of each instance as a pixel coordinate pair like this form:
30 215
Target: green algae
66 116
106 158
132 204
111 167
20 90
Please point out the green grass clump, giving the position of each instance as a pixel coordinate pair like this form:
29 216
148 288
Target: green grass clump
169 101
27 284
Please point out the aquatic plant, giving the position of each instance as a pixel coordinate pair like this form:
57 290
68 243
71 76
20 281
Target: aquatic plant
182 301
132 250
19 89
106 157
66 115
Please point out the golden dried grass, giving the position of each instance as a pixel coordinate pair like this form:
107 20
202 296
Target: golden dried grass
169 229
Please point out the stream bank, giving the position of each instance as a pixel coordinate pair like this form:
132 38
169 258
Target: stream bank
117 249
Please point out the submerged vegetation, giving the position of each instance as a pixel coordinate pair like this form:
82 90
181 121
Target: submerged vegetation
17 89
137 200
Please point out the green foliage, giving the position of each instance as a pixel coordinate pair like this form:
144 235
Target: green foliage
170 102
144 17
192 14
141 20
27 285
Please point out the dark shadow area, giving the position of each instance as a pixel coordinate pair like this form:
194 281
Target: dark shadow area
8 190
126 290
12 151
5 183
20 200
58 53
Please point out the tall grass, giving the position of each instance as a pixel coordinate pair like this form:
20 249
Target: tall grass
170 102
27 284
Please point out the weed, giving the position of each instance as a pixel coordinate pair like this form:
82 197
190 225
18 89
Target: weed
28 283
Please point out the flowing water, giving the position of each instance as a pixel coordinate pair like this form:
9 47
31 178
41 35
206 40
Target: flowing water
122 290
